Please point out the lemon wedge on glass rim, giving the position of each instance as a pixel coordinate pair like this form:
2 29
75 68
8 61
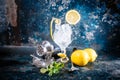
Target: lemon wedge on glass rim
72 17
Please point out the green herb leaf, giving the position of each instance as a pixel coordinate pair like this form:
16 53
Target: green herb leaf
53 68
43 70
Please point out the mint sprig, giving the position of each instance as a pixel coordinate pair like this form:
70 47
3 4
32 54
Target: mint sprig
53 68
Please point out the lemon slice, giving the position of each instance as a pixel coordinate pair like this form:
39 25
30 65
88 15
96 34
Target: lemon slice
57 21
72 17
62 55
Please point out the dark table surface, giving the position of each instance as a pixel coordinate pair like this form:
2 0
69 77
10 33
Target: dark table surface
15 64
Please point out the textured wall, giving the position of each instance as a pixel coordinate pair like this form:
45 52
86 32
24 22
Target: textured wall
3 20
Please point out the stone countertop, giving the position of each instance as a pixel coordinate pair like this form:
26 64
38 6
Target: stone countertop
15 64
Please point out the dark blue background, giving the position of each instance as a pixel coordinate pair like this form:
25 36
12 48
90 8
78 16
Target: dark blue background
98 28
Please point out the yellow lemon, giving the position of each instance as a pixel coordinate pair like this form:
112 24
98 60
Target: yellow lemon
80 57
92 54
72 17
62 55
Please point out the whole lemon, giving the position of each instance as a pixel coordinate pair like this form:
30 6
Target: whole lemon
92 54
80 57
